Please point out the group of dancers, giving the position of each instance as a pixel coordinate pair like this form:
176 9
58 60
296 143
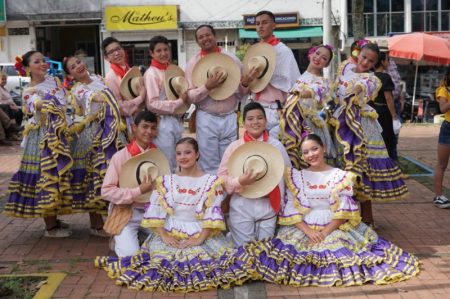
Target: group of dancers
293 180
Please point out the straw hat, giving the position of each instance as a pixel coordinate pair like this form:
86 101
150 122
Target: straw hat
152 162
263 57
213 63
265 160
129 86
175 83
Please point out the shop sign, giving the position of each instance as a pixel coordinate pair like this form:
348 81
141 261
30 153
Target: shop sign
2 11
119 18
283 20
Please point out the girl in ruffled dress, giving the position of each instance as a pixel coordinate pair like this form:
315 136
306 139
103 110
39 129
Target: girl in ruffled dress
188 251
358 133
41 186
310 93
321 241
96 139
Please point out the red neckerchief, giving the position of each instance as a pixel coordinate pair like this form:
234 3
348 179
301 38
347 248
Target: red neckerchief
119 71
203 53
134 149
159 65
275 194
273 41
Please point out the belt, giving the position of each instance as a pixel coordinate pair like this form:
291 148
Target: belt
219 114
271 106
380 104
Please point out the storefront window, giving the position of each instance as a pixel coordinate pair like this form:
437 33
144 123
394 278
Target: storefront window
383 24
398 22
445 21
383 5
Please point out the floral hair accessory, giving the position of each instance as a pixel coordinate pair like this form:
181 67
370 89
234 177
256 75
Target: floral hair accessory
359 44
314 49
19 66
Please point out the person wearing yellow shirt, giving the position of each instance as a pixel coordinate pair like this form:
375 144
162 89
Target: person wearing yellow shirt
443 150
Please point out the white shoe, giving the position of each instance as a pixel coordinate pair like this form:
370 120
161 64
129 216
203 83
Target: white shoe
57 233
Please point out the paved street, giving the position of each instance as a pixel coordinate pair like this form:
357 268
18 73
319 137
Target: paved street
414 224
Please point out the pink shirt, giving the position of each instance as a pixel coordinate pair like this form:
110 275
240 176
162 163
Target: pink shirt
269 94
199 95
156 100
5 97
110 187
232 183
127 107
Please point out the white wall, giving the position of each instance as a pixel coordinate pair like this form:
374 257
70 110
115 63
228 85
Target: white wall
16 45
232 10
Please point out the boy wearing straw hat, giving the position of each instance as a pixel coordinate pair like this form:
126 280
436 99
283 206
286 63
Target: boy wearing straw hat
252 168
216 121
115 54
128 181
166 102
284 76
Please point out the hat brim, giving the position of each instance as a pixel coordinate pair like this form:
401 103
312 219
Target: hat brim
260 49
229 86
126 88
171 72
274 160
128 176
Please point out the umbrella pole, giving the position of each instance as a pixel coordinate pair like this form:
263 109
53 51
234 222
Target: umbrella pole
414 92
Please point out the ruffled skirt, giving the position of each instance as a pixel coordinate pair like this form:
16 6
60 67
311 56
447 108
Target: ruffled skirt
344 258
159 267
28 198
382 181
84 185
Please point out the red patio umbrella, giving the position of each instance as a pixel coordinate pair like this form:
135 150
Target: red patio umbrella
422 48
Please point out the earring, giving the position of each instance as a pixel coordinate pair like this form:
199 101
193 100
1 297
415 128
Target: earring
27 71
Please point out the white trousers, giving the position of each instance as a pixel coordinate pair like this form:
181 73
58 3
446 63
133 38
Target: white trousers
127 243
214 134
273 122
170 129
250 219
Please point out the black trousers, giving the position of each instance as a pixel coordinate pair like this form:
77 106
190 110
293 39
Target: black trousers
13 114
385 120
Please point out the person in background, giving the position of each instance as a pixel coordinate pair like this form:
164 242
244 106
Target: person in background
285 74
443 149
115 54
384 105
7 103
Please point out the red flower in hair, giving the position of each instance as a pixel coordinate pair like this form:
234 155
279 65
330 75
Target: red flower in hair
19 66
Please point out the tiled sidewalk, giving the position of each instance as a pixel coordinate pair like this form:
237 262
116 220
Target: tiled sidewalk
414 224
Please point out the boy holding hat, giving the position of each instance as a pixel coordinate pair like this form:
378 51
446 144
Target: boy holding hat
170 111
216 121
125 205
284 76
115 55
255 201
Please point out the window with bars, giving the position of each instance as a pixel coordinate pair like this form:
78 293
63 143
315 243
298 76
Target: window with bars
384 16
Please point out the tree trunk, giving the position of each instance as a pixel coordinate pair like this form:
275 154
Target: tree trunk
358 19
